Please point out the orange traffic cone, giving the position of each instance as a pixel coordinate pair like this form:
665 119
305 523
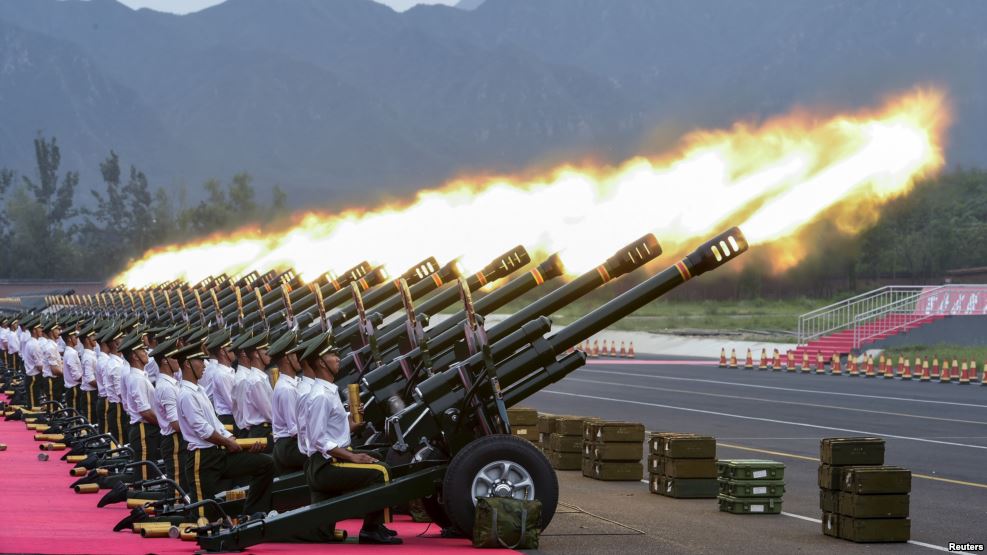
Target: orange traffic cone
723 357
789 361
733 358
935 366
918 364
630 350
906 372
776 362
870 366
944 376
888 369
880 363
835 365
749 363
973 370
901 362
956 369
820 363
964 375
925 371
603 350
613 348
805 361
596 348
623 350
851 362
984 380
764 359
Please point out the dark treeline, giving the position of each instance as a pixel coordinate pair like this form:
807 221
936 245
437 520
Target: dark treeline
48 229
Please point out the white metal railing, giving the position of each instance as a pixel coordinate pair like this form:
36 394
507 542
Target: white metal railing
890 308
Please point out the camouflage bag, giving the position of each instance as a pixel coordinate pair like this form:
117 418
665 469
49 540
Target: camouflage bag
507 522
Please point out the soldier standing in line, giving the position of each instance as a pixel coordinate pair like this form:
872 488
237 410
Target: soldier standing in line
88 385
173 447
72 369
218 377
284 422
144 436
32 362
258 394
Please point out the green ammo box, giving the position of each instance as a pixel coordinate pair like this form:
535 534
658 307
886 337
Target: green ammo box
570 425
627 452
615 432
689 447
656 464
751 488
829 500
656 441
521 416
689 468
877 479
565 461
873 530
831 524
617 471
831 477
750 469
529 433
684 488
587 467
545 440
566 444
546 423
845 451
873 506
745 506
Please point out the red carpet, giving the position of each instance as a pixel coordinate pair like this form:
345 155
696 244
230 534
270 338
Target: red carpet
40 514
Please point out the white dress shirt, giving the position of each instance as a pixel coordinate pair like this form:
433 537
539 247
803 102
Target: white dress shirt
166 402
140 393
88 369
326 419
14 342
51 360
305 384
284 416
73 368
152 370
114 378
196 417
259 397
32 364
100 373
4 332
219 387
60 344
239 396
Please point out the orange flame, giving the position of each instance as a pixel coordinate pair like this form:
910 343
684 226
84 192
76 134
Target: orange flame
770 178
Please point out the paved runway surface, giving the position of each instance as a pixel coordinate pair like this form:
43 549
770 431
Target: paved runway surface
938 431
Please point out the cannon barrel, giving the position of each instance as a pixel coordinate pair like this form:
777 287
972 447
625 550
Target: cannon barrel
388 336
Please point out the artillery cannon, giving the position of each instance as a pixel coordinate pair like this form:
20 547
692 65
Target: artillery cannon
457 429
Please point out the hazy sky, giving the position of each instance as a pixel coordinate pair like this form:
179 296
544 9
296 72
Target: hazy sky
186 6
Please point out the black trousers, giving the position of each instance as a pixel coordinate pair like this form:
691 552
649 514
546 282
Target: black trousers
102 408
117 422
72 397
209 468
145 440
34 389
262 430
228 419
174 451
328 479
287 457
87 406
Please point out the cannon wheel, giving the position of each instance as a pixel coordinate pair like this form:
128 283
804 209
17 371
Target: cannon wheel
498 465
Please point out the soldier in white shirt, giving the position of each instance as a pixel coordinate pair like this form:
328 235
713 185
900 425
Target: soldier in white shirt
144 434
284 418
51 360
102 388
258 393
113 372
173 447
72 369
151 368
214 455
32 362
305 382
218 378
14 343
88 385
332 469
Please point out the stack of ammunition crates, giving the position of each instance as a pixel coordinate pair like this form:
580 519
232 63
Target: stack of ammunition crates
613 450
862 500
750 486
524 423
546 426
565 443
682 465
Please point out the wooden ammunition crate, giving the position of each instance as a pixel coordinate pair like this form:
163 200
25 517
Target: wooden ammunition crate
892 505
601 431
875 530
844 451
876 479
617 471
626 452
683 488
521 416
566 444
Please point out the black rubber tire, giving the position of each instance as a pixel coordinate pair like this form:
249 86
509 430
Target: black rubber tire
458 482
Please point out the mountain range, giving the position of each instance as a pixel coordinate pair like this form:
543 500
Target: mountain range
347 100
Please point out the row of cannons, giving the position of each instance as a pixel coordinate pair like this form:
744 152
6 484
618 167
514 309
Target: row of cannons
434 396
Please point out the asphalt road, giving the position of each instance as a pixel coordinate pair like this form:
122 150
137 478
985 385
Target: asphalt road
937 431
